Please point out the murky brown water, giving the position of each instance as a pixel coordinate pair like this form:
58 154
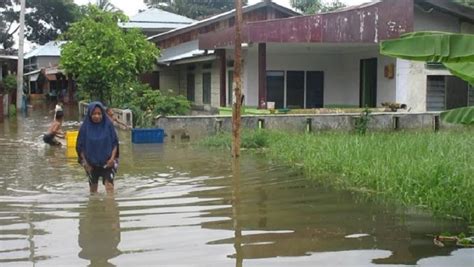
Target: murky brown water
179 206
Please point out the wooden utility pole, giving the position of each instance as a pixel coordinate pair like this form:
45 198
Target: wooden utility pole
237 81
19 71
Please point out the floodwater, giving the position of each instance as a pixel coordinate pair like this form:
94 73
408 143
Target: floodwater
180 206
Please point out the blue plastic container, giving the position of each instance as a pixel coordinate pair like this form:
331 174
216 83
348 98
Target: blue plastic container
148 135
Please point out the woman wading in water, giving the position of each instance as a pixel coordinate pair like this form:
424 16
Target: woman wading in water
97 147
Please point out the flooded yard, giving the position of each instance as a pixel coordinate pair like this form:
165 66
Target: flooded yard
176 205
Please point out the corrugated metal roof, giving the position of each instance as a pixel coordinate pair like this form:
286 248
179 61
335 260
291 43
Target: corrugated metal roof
155 18
151 25
51 49
182 51
221 16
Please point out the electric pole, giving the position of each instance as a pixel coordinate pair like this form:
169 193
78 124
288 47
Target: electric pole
237 81
19 79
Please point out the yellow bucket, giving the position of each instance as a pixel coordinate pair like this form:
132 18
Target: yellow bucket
71 153
71 137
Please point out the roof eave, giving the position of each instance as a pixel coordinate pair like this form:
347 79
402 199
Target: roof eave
221 16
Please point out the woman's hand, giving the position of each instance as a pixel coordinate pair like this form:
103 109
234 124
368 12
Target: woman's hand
86 166
110 163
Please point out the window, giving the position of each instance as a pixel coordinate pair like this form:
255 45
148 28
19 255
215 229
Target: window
295 89
276 88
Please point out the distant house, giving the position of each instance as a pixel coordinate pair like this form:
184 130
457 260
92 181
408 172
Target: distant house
43 74
155 21
204 74
322 60
8 65
151 22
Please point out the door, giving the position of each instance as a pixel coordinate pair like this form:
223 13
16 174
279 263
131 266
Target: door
368 83
295 89
276 88
314 89
190 86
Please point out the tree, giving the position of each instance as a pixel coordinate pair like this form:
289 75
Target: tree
105 5
45 20
7 16
102 57
315 6
195 9
469 3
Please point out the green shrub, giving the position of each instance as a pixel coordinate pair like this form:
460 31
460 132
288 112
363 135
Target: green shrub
362 123
147 103
12 110
9 83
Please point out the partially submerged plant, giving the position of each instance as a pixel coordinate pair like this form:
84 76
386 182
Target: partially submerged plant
362 122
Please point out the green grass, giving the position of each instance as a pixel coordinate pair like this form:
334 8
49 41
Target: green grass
425 169
245 111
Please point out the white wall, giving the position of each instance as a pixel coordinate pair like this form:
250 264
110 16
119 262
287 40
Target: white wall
411 79
411 76
250 75
341 74
46 62
169 78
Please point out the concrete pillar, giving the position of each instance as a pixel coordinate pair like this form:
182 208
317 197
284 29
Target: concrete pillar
262 75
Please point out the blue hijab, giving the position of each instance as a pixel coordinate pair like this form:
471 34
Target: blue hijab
96 140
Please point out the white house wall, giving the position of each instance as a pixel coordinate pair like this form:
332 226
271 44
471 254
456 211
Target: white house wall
411 76
341 74
169 78
250 76
46 62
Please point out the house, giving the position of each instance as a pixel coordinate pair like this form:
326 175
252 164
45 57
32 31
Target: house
151 22
8 65
43 74
154 21
322 60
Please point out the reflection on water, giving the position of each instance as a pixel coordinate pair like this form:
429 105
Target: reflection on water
175 205
236 208
99 231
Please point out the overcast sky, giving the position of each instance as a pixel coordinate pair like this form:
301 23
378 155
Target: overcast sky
131 7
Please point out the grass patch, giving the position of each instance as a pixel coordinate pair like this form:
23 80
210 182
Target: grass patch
426 169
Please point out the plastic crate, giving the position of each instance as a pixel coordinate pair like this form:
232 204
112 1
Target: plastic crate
71 138
149 135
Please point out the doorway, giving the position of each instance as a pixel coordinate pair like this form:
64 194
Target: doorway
368 83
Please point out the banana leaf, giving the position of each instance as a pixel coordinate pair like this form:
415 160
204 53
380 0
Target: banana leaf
463 70
459 116
454 50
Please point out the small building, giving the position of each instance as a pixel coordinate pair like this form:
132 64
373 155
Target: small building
155 21
43 74
151 22
8 66
323 60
